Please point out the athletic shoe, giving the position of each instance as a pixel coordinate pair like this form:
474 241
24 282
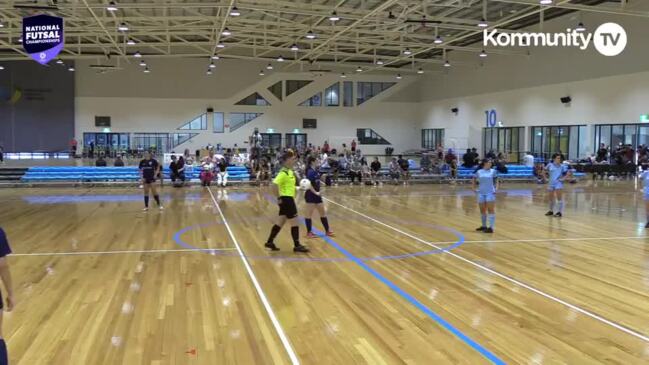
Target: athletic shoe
161 207
301 248
145 209
330 234
549 214
647 225
271 246
558 215
310 235
481 229
489 230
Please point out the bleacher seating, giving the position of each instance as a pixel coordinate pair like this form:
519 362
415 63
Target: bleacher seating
131 173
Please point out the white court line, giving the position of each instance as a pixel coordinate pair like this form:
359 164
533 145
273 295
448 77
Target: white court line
503 276
551 239
80 253
260 292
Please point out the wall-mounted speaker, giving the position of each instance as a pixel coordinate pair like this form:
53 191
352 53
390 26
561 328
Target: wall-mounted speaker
455 111
566 99
210 110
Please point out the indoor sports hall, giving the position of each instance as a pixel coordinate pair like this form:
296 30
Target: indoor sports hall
324 182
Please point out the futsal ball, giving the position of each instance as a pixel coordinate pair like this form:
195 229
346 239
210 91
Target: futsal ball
305 184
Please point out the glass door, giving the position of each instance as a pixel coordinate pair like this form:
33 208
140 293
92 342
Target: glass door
296 140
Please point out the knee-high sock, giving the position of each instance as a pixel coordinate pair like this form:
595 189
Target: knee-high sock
4 358
552 205
308 223
560 206
273 233
492 220
295 232
484 220
146 201
325 223
157 199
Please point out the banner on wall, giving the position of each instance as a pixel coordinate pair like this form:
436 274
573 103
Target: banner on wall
43 37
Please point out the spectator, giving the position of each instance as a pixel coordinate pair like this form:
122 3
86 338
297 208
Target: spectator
355 171
395 170
450 157
101 162
425 163
222 172
119 162
602 153
375 168
404 166
325 147
468 159
366 173
263 171
177 170
73 149
91 150
353 145
491 155
529 159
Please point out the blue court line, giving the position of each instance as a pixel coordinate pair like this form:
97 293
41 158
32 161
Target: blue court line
441 321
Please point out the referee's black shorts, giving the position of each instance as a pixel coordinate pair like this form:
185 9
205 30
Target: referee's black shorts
287 207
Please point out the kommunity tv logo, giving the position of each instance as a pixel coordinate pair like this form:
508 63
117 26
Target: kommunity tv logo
609 39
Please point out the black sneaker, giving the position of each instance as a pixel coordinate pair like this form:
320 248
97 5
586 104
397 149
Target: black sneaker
549 214
488 230
558 215
271 246
301 248
647 225
481 229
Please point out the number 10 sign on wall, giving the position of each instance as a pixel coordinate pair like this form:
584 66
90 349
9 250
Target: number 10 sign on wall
491 118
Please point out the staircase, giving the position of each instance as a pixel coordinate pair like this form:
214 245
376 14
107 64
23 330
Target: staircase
11 174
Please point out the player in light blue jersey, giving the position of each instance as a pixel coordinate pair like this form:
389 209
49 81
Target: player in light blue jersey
644 177
487 180
556 172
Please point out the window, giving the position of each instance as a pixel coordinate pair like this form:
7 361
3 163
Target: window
198 123
157 142
368 136
276 90
614 134
296 140
271 140
431 138
107 141
253 99
348 93
180 138
368 90
237 120
295 85
218 124
505 140
332 94
567 139
315 100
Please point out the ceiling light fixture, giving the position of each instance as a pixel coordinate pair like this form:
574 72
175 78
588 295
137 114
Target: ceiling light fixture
130 42
59 61
438 40
391 16
2 68
142 63
407 51
447 64
580 27
483 54
398 76
545 2
269 67
310 35
295 48
209 72
220 45
216 57
146 70
2 25
261 73
343 75
111 6
71 68
359 69
483 23
137 54
280 59
420 71
334 17
122 27
226 32
235 11
379 62
212 65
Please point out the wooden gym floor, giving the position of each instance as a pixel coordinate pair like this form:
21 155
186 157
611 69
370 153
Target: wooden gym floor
406 280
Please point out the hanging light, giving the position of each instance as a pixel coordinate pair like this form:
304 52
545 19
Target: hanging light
420 71
59 61
209 72
483 54
269 67
261 73
343 75
580 27
310 35
483 23
545 2
2 68
295 48
391 16
71 68
407 51
215 57
212 65
379 62
398 76
130 42
122 27
334 17
280 59
2 25
359 69
234 11
438 40
111 6
137 54
447 64
220 45
146 70
226 32
142 63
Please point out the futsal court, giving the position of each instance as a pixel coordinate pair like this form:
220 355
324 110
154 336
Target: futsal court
405 280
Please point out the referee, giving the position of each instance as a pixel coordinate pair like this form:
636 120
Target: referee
286 182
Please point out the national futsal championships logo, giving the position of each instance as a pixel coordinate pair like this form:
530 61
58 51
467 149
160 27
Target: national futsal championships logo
609 39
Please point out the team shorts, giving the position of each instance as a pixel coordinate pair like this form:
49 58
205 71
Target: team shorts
486 198
311 198
149 180
287 207
555 186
